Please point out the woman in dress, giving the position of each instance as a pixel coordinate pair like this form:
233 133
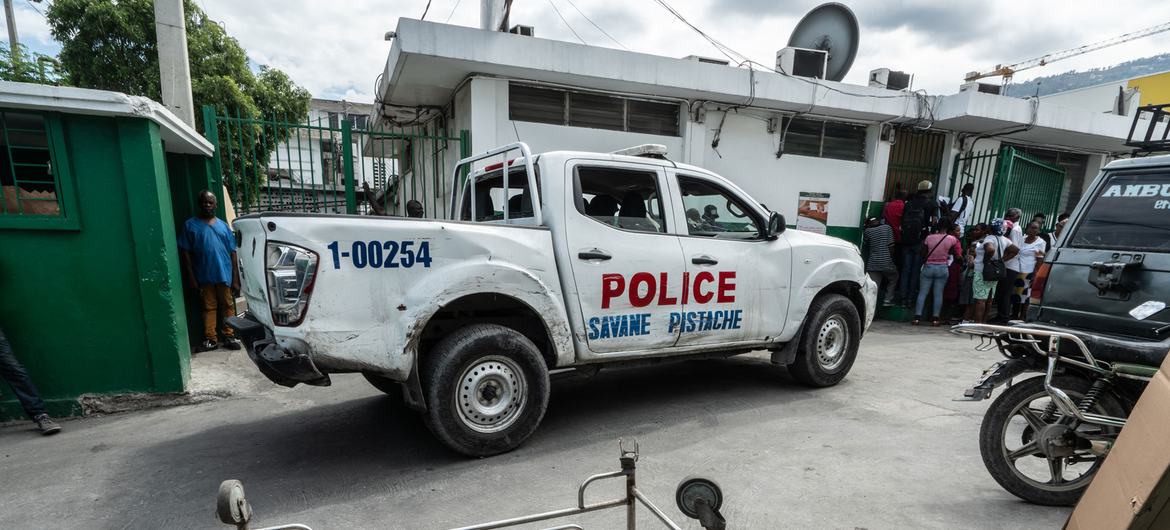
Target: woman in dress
1031 254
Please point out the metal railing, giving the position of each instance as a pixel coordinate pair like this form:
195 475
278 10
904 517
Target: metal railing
274 163
1067 406
1005 178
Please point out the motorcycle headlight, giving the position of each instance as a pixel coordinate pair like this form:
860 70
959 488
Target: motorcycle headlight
291 272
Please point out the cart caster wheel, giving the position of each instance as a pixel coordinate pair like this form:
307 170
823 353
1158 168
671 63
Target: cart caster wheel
700 498
230 504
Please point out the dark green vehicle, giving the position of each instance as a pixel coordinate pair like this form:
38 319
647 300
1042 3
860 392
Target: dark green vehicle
1097 330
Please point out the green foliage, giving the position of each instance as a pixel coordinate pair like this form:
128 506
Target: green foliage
111 45
28 67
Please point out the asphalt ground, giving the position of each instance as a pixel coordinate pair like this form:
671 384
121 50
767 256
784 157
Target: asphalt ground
887 448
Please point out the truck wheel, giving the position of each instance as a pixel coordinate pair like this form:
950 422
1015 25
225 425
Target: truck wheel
486 389
829 342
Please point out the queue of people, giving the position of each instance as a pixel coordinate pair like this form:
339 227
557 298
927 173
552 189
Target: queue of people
926 254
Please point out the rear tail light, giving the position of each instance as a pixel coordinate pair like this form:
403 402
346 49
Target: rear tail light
291 272
1039 281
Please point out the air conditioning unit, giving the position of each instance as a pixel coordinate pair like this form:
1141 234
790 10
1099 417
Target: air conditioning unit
986 88
707 60
891 79
802 62
527 31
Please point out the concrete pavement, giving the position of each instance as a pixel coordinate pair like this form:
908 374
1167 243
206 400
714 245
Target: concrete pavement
885 449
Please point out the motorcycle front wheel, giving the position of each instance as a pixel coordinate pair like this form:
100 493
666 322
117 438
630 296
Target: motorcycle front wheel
1008 441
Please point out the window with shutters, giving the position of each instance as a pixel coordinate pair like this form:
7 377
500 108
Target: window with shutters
36 190
593 110
824 139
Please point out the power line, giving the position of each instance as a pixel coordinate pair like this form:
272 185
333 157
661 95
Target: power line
428 8
567 25
596 26
30 4
452 13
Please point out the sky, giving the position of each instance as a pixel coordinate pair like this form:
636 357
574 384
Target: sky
336 49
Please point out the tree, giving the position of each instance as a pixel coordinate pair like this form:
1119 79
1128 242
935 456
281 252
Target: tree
28 67
111 45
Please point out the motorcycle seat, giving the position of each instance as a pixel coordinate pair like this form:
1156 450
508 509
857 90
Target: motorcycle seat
1111 348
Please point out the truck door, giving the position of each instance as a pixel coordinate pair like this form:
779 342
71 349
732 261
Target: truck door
627 266
738 280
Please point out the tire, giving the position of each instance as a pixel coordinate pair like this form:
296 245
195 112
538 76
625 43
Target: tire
996 430
486 388
829 342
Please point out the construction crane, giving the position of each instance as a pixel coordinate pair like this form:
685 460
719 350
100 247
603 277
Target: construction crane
1007 71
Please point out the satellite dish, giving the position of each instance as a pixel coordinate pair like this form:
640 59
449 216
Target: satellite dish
833 28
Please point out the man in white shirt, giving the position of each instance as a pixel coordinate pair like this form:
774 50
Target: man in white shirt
1003 294
962 206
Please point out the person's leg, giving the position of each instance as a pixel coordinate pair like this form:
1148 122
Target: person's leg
891 285
210 315
938 285
227 307
1003 296
904 276
923 288
18 380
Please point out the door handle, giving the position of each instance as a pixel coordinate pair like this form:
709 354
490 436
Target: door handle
594 254
704 260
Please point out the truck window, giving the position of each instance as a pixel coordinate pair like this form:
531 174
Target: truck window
1129 212
714 212
621 198
491 198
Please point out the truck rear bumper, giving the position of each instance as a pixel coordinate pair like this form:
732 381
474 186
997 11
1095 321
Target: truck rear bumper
279 365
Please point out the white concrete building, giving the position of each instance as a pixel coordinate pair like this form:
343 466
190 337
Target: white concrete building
775 135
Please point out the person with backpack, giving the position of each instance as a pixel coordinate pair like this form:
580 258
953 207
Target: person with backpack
958 210
937 249
919 213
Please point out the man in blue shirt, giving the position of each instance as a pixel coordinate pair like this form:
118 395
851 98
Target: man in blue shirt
208 250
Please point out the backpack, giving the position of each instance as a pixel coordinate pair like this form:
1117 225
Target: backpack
913 220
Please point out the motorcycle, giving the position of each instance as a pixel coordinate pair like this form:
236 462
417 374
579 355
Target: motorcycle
1044 438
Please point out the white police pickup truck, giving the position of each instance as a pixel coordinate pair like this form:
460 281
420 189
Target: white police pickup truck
559 260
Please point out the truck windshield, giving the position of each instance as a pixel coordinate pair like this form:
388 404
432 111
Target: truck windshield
491 198
1129 212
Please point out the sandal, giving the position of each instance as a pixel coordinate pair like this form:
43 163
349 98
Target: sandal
934 322
916 321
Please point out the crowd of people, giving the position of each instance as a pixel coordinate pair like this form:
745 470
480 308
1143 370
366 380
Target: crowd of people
926 253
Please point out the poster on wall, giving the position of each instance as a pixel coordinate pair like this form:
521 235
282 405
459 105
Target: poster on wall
812 212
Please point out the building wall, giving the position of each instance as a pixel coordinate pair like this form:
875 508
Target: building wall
746 154
1100 98
99 309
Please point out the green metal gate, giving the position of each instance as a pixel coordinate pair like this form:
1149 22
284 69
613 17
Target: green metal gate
916 155
1006 178
274 164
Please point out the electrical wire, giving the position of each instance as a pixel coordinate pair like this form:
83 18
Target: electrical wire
567 25
452 13
30 4
731 54
428 8
599 28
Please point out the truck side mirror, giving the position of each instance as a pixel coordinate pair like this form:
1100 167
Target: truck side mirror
776 225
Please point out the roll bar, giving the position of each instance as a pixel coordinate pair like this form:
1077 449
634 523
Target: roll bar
526 155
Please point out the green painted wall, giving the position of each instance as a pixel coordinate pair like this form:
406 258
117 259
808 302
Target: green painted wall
99 309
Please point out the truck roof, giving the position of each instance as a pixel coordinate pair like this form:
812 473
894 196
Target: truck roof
1145 161
594 155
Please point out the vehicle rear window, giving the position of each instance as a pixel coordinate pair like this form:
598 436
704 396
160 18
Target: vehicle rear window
491 198
1129 212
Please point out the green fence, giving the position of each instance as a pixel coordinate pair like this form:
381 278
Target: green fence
276 164
1006 178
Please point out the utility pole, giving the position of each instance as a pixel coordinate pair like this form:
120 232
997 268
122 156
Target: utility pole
10 16
170 28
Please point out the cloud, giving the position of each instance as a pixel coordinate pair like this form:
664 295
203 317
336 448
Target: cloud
336 50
